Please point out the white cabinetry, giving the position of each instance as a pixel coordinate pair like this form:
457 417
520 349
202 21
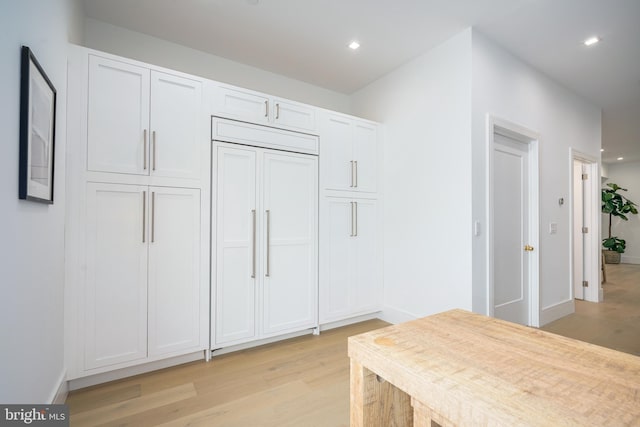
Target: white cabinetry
142 121
349 149
143 287
255 107
266 244
349 258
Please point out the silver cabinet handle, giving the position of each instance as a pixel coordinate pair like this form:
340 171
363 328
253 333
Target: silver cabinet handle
253 247
356 176
144 215
153 216
153 136
351 235
266 108
355 234
268 241
144 150
277 111
351 174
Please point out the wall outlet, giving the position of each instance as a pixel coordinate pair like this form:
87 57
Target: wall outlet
553 227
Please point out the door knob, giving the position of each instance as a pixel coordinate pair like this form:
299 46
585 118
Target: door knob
528 248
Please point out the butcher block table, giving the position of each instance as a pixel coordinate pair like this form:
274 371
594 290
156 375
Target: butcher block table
463 369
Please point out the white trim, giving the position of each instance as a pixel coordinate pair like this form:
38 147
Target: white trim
624 259
394 316
532 139
350 321
556 311
60 394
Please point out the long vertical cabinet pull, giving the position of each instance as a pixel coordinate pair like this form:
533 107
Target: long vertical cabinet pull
153 216
266 108
355 234
144 150
355 163
253 248
153 136
277 111
351 175
144 215
268 241
352 212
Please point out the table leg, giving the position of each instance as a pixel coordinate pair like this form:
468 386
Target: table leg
423 416
376 402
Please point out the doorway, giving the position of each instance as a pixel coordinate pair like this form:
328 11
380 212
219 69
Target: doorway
513 222
585 230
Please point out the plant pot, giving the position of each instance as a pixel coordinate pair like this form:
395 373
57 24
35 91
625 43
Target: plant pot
611 257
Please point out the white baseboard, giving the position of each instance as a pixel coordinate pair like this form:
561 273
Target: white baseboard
89 381
629 259
556 311
251 344
395 316
349 321
59 396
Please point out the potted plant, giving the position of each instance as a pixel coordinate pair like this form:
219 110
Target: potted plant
615 204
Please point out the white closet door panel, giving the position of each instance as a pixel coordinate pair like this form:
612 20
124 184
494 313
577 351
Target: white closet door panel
336 272
366 156
242 105
115 324
118 115
235 288
175 123
290 233
365 295
174 270
293 115
336 150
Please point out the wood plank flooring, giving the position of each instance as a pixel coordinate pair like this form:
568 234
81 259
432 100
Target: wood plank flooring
299 382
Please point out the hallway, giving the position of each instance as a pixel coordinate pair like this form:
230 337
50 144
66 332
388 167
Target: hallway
614 323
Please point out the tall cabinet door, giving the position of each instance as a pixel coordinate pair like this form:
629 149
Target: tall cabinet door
174 269
118 117
365 147
365 296
336 149
236 246
175 122
115 323
290 193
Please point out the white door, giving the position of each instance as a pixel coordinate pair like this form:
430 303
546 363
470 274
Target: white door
118 117
236 266
511 239
365 154
175 123
364 289
293 115
115 321
241 105
174 270
336 271
290 212
578 224
336 151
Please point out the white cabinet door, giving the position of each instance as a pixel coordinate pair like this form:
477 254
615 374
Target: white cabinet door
336 151
242 105
236 246
175 123
118 117
365 153
174 270
115 300
290 242
337 229
295 116
365 287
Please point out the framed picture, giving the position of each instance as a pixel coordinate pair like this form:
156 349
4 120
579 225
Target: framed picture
37 131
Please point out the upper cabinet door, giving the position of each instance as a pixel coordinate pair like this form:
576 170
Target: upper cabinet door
175 123
336 151
241 105
295 116
118 117
365 148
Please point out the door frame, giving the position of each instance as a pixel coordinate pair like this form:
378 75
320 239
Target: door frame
592 271
532 140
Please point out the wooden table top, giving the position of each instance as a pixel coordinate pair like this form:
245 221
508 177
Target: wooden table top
476 370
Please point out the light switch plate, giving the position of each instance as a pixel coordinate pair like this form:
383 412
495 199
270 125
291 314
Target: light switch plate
553 227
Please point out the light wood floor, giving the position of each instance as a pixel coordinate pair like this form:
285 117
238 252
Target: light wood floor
302 382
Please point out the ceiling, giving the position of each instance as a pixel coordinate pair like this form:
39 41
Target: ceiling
307 40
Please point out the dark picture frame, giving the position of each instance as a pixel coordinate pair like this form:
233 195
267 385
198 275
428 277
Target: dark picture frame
37 131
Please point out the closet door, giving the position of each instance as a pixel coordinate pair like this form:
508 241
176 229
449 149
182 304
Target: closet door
174 270
175 122
365 147
336 149
236 266
290 215
365 288
118 117
115 301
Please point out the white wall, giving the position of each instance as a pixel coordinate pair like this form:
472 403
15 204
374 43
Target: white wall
130 44
32 236
425 106
510 89
626 175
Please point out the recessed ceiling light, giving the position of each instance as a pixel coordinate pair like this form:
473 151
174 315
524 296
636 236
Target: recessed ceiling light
354 45
601 150
591 41
620 158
